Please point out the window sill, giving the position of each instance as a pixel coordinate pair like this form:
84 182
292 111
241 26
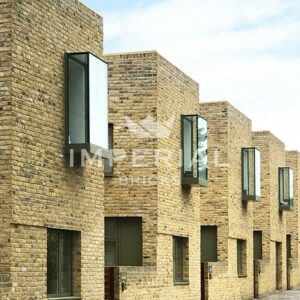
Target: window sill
182 283
242 276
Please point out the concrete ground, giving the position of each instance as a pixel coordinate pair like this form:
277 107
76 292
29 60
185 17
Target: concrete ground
285 295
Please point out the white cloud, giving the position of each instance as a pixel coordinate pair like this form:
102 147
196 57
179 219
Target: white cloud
239 50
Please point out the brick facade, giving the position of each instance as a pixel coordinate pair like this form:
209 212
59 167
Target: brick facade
292 219
267 216
145 86
147 96
221 202
39 187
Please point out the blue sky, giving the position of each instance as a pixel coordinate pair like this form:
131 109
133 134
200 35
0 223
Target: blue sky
246 52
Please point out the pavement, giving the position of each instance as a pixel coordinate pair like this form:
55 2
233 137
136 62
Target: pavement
285 295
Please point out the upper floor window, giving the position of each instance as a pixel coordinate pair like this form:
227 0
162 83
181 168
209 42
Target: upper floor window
286 188
194 150
250 174
86 103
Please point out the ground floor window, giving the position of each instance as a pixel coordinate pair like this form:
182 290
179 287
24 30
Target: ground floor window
123 241
241 258
63 254
180 260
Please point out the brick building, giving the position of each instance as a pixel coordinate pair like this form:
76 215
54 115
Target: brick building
136 224
269 219
226 220
49 210
292 223
147 97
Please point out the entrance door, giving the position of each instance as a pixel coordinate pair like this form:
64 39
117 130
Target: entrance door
278 266
258 255
204 281
256 278
109 283
288 260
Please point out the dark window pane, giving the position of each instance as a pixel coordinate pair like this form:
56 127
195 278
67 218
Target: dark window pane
123 241
180 259
65 263
209 244
59 263
77 98
257 244
52 263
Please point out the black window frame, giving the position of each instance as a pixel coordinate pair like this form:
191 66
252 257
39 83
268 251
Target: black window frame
117 239
182 258
282 172
241 253
77 148
187 178
109 163
59 232
246 196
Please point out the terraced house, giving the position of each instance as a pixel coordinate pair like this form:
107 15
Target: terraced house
117 182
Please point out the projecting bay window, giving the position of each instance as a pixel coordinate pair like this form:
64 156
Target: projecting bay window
123 241
86 104
194 150
250 174
109 163
286 189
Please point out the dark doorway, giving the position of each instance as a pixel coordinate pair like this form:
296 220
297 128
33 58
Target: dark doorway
288 260
258 254
209 253
109 278
278 265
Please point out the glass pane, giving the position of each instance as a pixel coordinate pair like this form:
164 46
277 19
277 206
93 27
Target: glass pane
108 163
291 178
202 148
65 263
111 253
257 173
52 263
77 98
281 186
251 170
245 173
178 259
187 145
98 102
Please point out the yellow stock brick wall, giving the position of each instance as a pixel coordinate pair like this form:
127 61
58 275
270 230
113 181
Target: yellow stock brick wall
292 218
6 141
147 90
40 187
267 216
221 202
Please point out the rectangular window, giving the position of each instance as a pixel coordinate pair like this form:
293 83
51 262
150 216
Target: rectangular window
257 244
59 263
250 174
194 150
209 244
180 260
241 258
108 163
86 103
286 189
123 241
